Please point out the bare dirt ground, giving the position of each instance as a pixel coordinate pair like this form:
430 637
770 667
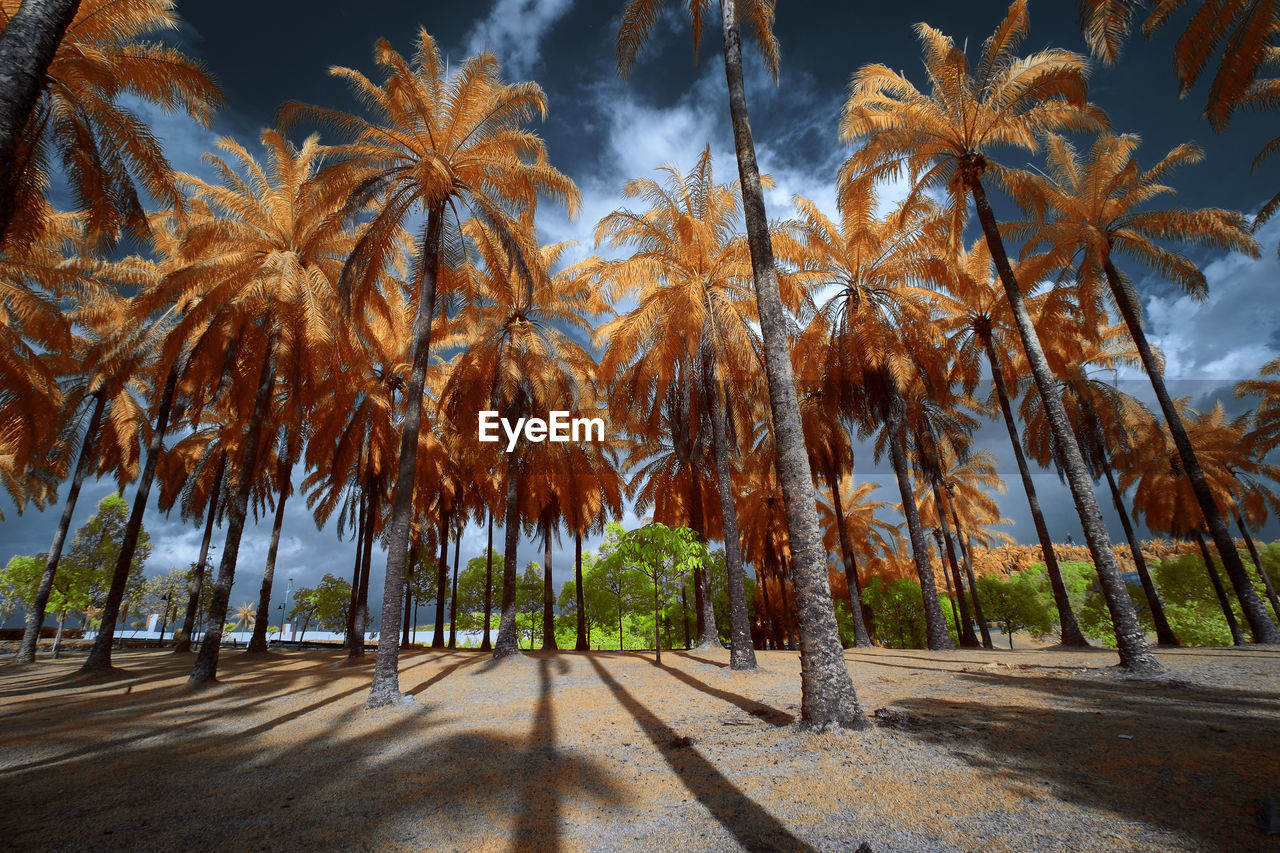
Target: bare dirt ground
1024 750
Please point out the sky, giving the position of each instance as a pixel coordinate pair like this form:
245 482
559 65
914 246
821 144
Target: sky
603 131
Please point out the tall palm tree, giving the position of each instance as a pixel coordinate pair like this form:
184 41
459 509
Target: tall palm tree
520 361
1091 209
942 139
109 153
828 697
977 319
1103 418
849 519
872 336
262 271
440 142
692 323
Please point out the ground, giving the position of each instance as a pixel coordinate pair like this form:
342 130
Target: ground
1044 749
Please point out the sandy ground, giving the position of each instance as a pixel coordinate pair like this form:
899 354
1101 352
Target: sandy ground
1023 750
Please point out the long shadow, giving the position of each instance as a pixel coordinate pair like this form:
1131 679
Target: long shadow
874 662
720 664
752 826
1118 689
768 713
1194 760
443 674
539 820
431 792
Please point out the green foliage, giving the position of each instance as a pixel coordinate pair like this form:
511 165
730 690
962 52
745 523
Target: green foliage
1191 605
85 570
326 605
899 612
1016 603
529 602
471 592
661 557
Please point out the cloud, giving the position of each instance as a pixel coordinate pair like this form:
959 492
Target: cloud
513 32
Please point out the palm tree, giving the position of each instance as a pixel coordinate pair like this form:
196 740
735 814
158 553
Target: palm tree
873 336
79 66
942 139
828 697
692 323
520 361
1089 209
982 332
442 141
1102 417
264 261
246 615
849 518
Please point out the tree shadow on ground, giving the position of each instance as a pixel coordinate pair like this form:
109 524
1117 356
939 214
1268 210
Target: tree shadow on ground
748 822
1193 759
389 778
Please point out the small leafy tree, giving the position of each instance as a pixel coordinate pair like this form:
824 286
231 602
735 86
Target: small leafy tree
1016 603
327 604
529 601
662 555
471 591
899 612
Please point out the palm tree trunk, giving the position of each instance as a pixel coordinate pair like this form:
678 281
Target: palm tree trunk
708 636
860 636
584 642
354 601
508 641
968 571
741 653
1135 655
965 624
409 566
774 631
1257 561
548 594
951 593
386 674
1237 638
99 658
1069 628
787 609
258 642
1255 613
486 644
360 624
27 47
442 578
1164 631
827 694
35 617
936 634
453 595
205 669
183 645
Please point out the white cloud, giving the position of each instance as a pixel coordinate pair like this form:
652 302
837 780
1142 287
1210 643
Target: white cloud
513 32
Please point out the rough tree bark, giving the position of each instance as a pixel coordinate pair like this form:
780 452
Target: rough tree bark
827 694
385 689
1131 643
27 47
258 642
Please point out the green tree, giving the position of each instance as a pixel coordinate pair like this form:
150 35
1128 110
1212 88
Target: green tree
163 594
326 604
1016 603
898 608
661 555
471 591
529 601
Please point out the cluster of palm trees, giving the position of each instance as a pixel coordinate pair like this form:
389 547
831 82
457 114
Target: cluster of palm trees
353 308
